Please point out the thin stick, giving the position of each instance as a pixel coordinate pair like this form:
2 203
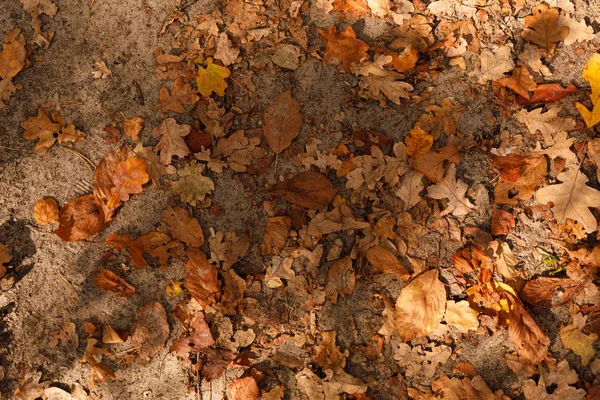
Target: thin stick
276 160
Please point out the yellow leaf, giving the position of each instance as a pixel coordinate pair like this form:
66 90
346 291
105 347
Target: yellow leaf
212 79
418 143
461 315
591 73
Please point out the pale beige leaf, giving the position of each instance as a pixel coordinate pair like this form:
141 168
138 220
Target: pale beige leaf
410 189
461 316
453 190
494 64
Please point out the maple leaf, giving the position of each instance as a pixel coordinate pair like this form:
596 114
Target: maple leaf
192 186
521 82
343 48
340 279
171 140
182 226
590 73
79 219
107 280
132 127
519 177
431 164
128 179
453 190
150 330
182 93
418 143
572 199
282 121
12 61
49 131
494 64
276 234
542 28
212 79
155 245
383 260
410 189
420 306
45 211
307 189
461 316
201 280
154 167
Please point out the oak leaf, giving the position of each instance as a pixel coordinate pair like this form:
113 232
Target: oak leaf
390 85
383 260
431 164
182 93
410 189
548 123
132 127
212 79
542 28
224 52
420 306
12 61
171 140
45 211
554 384
521 82
327 354
307 189
282 121
154 167
461 316
276 234
343 48
201 280
49 131
228 248
591 73
79 219
494 64
579 31
418 143
107 280
36 8
572 199
182 226
154 245
453 190
150 330
519 177
192 186
340 279
128 179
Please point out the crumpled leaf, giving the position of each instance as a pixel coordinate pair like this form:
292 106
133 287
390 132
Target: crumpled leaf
181 94
192 186
340 279
171 140
431 164
107 280
182 226
521 82
201 279
197 336
45 211
542 28
150 330
494 64
79 219
574 339
5 255
280 268
591 73
453 190
276 234
461 316
520 175
49 131
343 48
307 189
12 61
420 306
154 167
132 127
560 378
282 121
243 389
383 260
572 199
212 79
154 245
103 183
128 179
418 143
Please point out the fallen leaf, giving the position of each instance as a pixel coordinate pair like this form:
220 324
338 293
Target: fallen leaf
107 280
328 354
519 177
36 8
150 330
521 82
365 140
343 48
49 131
276 393
554 384
544 291
461 316
233 293
243 389
358 8
548 123
494 64
431 164
579 31
192 186
574 339
593 152
551 92
406 60
453 190
410 189
182 226
45 211
79 219
380 8
503 222
155 245
383 260
5 255
542 28
340 279
591 73
181 94
171 140
128 179
276 234
132 127
12 61
418 143
201 279
110 336
228 248
307 189
101 71
225 53
154 167
282 121
196 338
212 79
390 85
572 199
103 183
420 306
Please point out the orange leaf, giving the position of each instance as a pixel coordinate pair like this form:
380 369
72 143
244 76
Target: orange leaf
282 121
431 164
406 60
418 143
171 140
132 127
385 261
307 189
521 82
276 235
45 211
79 219
543 290
358 8
130 176
49 131
551 92
519 177
343 48
182 93
154 245
12 61
103 179
243 389
183 227
201 280
107 280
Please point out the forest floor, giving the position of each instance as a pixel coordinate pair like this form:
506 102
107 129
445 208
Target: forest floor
325 199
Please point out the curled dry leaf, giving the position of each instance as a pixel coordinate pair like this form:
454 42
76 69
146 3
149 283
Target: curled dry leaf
150 330
171 140
182 226
12 61
307 189
132 127
45 211
107 280
276 234
101 71
461 316
243 389
102 182
282 121
201 280
383 260
340 279
343 48
79 219
420 306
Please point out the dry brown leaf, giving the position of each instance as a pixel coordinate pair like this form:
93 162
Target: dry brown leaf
454 191
45 211
343 48
201 279
276 234
410 189
150 330
461 316
49 131
243 389
110 336
101 71
182 226
107 280
545 291
327 354
554 384
155 167
228 248
171 140
340 279
383 260
503 222
282 121
307 189
181 94
196 338
5 255
36 8
12 61
233 293
542 28
79 219
519 177
521 82
431 164
420 306
495 64
132 127
154 245
418 143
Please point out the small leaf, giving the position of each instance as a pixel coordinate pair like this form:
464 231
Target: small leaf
128 179
212 79
307 189
171 140
45 211
132 127
282 121
181 94
150 330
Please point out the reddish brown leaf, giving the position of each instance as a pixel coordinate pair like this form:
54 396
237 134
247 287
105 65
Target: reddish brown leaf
182 226
103 179
150 330
182 93
367 139
107 280
201 280
153 245
550 93
79 219
196 140
519 177
282 121
502 222
343 48
383 260
340 279
171 140
197 339
544 291
243 389
307 189
527 337
233 294
276 235
521 82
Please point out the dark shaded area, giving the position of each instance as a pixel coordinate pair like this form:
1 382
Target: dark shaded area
16 236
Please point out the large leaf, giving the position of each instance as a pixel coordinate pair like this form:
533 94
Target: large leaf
591 73
79 219
542 28
282 121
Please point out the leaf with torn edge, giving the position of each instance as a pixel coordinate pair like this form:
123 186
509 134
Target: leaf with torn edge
171 140
282 121
453 190
307 189
12 61
420 306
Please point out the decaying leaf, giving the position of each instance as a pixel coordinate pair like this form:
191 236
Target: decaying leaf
182 226
212 79
49 131
154 245
340 279
132 127
454 191
79 219
228 248
150 330
282 121
307 189
461 316
233 293
12 61
181 94
101 71
573 338
420 306
103 183
276 235
45 211
383 260
243 389
542 28
201 280
171 140
192 186
107 280
431 164
591 73
343 48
